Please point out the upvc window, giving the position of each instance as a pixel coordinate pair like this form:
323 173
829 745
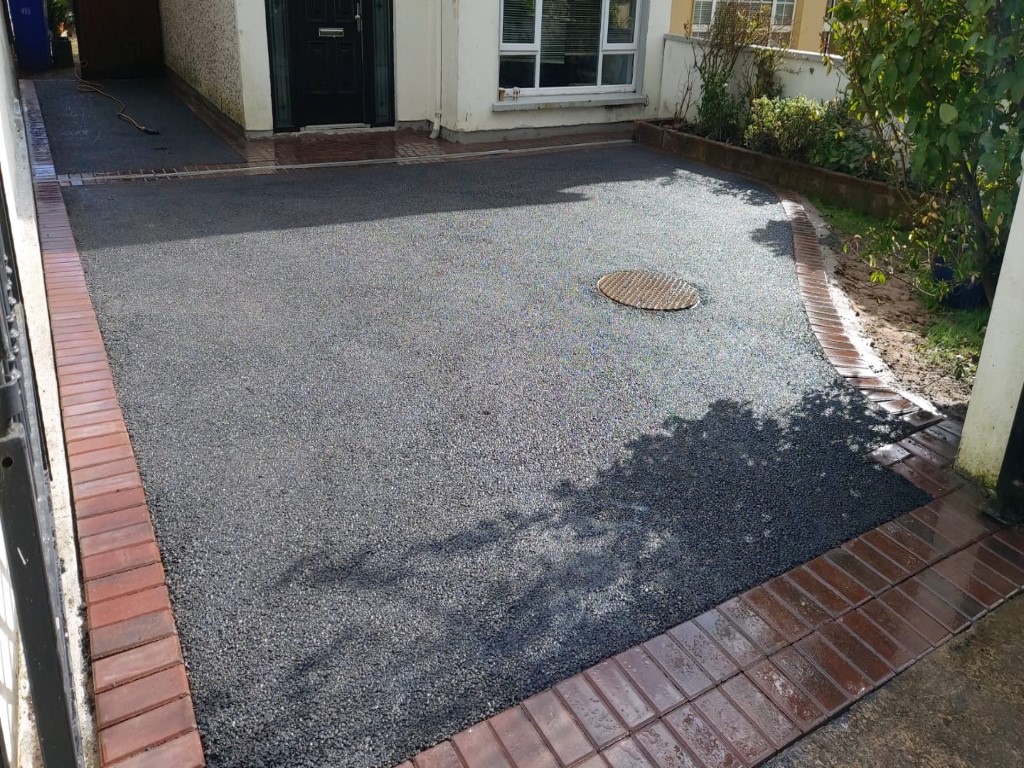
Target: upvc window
565 46
781 16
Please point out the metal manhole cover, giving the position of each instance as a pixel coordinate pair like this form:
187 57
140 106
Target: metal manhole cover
648 290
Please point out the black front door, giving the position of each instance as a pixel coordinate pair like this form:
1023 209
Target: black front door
327 62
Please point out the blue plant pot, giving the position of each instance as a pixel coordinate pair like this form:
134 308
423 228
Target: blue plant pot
969 294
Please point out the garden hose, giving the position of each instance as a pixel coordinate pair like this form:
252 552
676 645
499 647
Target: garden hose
86 86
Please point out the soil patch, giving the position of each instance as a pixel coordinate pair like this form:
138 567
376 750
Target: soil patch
896 322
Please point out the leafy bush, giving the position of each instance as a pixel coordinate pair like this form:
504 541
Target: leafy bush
785 127
847 145
947 78
720 112
718 77
59 15
764 80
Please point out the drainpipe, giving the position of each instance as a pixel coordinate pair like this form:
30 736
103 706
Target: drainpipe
436 129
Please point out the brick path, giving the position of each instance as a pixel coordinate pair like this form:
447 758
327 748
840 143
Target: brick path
729 688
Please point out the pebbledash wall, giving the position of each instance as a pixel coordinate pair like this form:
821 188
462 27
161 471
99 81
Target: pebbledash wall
219 48
446 60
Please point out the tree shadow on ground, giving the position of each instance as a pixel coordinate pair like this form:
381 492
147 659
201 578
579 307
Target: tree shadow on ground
690 515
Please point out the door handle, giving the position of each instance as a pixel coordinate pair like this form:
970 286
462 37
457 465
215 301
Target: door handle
332 32
359 16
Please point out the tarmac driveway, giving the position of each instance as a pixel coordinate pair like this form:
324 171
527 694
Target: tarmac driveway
407 467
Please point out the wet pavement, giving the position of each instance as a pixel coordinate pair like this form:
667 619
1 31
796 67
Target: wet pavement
960 707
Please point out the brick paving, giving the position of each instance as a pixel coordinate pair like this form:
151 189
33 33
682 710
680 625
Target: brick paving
731 687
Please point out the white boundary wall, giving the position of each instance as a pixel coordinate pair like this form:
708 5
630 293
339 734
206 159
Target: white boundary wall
799 72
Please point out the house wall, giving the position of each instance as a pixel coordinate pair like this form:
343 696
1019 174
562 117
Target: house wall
202 47
254 65
799 72
807 25
808 19
446 52
416 59
1000 377
470 59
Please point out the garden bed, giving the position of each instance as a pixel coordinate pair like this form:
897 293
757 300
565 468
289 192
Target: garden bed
870 197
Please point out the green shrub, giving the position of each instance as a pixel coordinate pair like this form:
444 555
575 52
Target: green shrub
785 127
720 112
847 145
59 14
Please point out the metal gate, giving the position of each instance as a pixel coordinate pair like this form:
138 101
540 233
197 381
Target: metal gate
28 530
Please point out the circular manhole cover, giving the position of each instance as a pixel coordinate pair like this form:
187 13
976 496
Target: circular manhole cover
648 290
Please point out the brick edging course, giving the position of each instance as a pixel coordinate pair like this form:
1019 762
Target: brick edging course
143 704
740 683
875 198
827 324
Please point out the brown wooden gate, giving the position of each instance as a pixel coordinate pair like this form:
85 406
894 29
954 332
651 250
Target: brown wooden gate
119 38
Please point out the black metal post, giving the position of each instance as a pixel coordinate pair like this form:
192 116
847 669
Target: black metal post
28 529
1008 505
38 621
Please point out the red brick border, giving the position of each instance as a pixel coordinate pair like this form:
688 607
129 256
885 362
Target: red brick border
738 684
143 705
827 325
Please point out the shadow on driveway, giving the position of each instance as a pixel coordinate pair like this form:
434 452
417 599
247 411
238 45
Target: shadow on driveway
691 516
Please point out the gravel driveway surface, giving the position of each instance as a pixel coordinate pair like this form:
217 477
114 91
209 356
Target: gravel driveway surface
408 467
86 135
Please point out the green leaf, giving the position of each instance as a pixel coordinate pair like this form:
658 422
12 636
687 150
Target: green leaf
948 113
953 143
1017 90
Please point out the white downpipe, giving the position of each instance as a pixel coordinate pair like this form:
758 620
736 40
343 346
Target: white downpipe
435 130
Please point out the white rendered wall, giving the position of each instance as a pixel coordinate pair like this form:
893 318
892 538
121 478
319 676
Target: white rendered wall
476 47
416 60
254 65
801 73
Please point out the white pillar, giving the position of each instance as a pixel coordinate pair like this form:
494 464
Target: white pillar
1000 377
254 62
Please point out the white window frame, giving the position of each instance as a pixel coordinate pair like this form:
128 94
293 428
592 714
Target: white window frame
699 30
636 48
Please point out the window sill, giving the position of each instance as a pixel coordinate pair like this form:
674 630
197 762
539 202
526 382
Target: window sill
569 102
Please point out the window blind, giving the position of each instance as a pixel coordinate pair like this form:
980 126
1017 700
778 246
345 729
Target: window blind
518 19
